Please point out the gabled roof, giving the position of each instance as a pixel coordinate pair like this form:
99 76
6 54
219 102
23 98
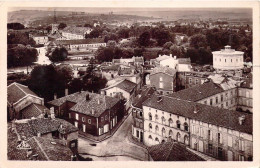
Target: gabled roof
34 110
172 151
198 92
145 94
17 91
165 70
85 106
208 114
126 85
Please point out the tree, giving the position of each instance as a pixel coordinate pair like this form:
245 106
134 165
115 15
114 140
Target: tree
88 25
104 54
198 40
15 26
62 26
19 38
21 56
167 45
94 33
59 54
144 39
123 33
178 51
47 79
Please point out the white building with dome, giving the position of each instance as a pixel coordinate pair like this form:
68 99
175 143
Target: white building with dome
228 59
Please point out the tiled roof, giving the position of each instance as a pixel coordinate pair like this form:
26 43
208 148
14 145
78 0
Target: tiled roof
111 67
76 30
44 125
80 41
172 151
198 92
84 106
247 83
165 70
208 114
184 60
138 59
126 85
145 94
163 57
54 149
16 91
34 110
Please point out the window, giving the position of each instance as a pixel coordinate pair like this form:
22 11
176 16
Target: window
211 102
77 116
225 60
141 113
137 133
69 115
231 60
161 85
186 127
241 158
201 132
156 117
163 132
156 129
220 138
210 148
196 81
241 145
150 126
221 98
190 80
150 116
219 60
216 100
89 121
161 79
83 119
210 137
178 124
230 141
170 122
231 101
163 120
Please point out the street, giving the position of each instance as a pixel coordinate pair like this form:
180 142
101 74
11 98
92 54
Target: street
117 147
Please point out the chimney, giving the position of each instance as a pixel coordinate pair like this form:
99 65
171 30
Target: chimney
66 92
170 55
52 113
175 57
241 119
92 111
98 101
87 97
55 96
196 109
28 153
38 134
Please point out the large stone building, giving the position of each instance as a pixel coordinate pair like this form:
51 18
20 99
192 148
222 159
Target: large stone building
75 33
163 79
220 133
92 113
228 59
23 103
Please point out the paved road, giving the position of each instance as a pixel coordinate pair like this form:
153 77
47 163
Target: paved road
117 147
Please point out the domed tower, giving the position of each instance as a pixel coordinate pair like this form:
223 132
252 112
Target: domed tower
228 59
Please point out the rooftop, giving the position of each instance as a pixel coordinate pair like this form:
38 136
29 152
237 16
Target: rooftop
125 85
165 70
145 94
80 41
172 151
97 102
76 30
208 114
17 91
198 92
34 110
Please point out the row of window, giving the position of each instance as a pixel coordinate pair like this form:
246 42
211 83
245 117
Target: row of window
231 60
89 120
232 92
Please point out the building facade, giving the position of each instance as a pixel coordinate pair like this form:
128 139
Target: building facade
75 33
163 79
223 134
92 113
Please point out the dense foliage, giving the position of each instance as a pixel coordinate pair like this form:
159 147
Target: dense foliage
15 26
59 54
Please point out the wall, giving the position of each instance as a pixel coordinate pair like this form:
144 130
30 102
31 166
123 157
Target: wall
245 99
169 83
27 101
228 62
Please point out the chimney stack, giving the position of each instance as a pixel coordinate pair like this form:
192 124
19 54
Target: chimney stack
87 97
98 101
170 55
52 113
241 119
55 96
92 111
196 109
66 92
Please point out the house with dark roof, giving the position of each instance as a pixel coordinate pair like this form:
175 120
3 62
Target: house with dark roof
92 113
123 89
217 132
163 79
172 151
25 143
23 103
